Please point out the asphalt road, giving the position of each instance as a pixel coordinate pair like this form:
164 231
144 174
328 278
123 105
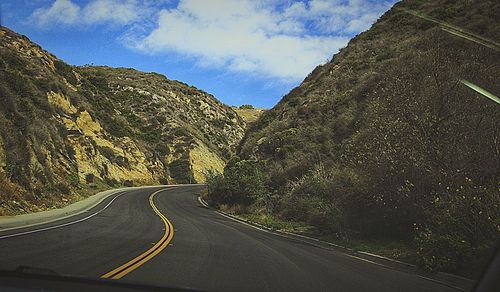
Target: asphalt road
205 251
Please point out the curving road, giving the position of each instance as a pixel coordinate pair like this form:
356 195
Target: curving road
203 251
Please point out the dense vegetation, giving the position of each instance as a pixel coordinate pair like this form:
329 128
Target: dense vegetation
385 142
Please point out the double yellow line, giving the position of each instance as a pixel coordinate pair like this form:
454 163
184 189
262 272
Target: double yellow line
150 253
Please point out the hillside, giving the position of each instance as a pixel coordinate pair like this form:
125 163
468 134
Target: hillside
248 113
67 131
385 141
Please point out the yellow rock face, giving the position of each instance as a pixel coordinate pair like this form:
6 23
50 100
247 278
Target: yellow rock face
70 86
88 126
203 159
61 102
87 137
87 133
94 161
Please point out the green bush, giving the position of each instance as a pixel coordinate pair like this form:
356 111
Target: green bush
108 153
241 183
319 199
110 181
89 178
180 132
462 225
128 183
12 60
180 170
162 149
65 71
74 179
99 82
63 188
219 123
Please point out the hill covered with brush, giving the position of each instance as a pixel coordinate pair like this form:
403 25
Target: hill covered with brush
66 131
387 141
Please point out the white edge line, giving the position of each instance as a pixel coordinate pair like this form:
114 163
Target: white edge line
299 239
282 234
202 202
386 258
64 224
123 191
440 282
86 209
67 215
342 253
286 236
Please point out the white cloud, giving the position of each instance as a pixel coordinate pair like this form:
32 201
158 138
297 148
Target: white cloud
96 11
120 12
336 16
361 23
284 42
278 39
62 11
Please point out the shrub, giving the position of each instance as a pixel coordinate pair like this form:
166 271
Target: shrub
89 178
65 71
219 123
128 183
122 161
180 171
246 106
99 82
180 132
107 152
461 227
74 180
110 181
63 188
164 181
8 189
318 199
241 183
11 59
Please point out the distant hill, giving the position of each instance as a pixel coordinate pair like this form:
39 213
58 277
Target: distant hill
66 131
249 114
386 141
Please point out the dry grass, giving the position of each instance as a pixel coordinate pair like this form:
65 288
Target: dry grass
249 115
15 200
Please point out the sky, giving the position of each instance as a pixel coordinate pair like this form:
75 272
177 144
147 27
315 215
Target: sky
241 51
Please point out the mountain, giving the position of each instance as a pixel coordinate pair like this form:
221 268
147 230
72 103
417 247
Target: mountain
66 131
387 141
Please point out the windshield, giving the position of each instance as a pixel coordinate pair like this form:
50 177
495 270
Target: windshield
238 145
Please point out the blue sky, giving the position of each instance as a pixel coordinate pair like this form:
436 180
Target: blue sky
241 51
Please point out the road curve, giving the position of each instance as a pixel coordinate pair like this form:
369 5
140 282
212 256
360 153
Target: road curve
208 251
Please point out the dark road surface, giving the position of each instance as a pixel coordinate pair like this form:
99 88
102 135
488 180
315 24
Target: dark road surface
207 251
